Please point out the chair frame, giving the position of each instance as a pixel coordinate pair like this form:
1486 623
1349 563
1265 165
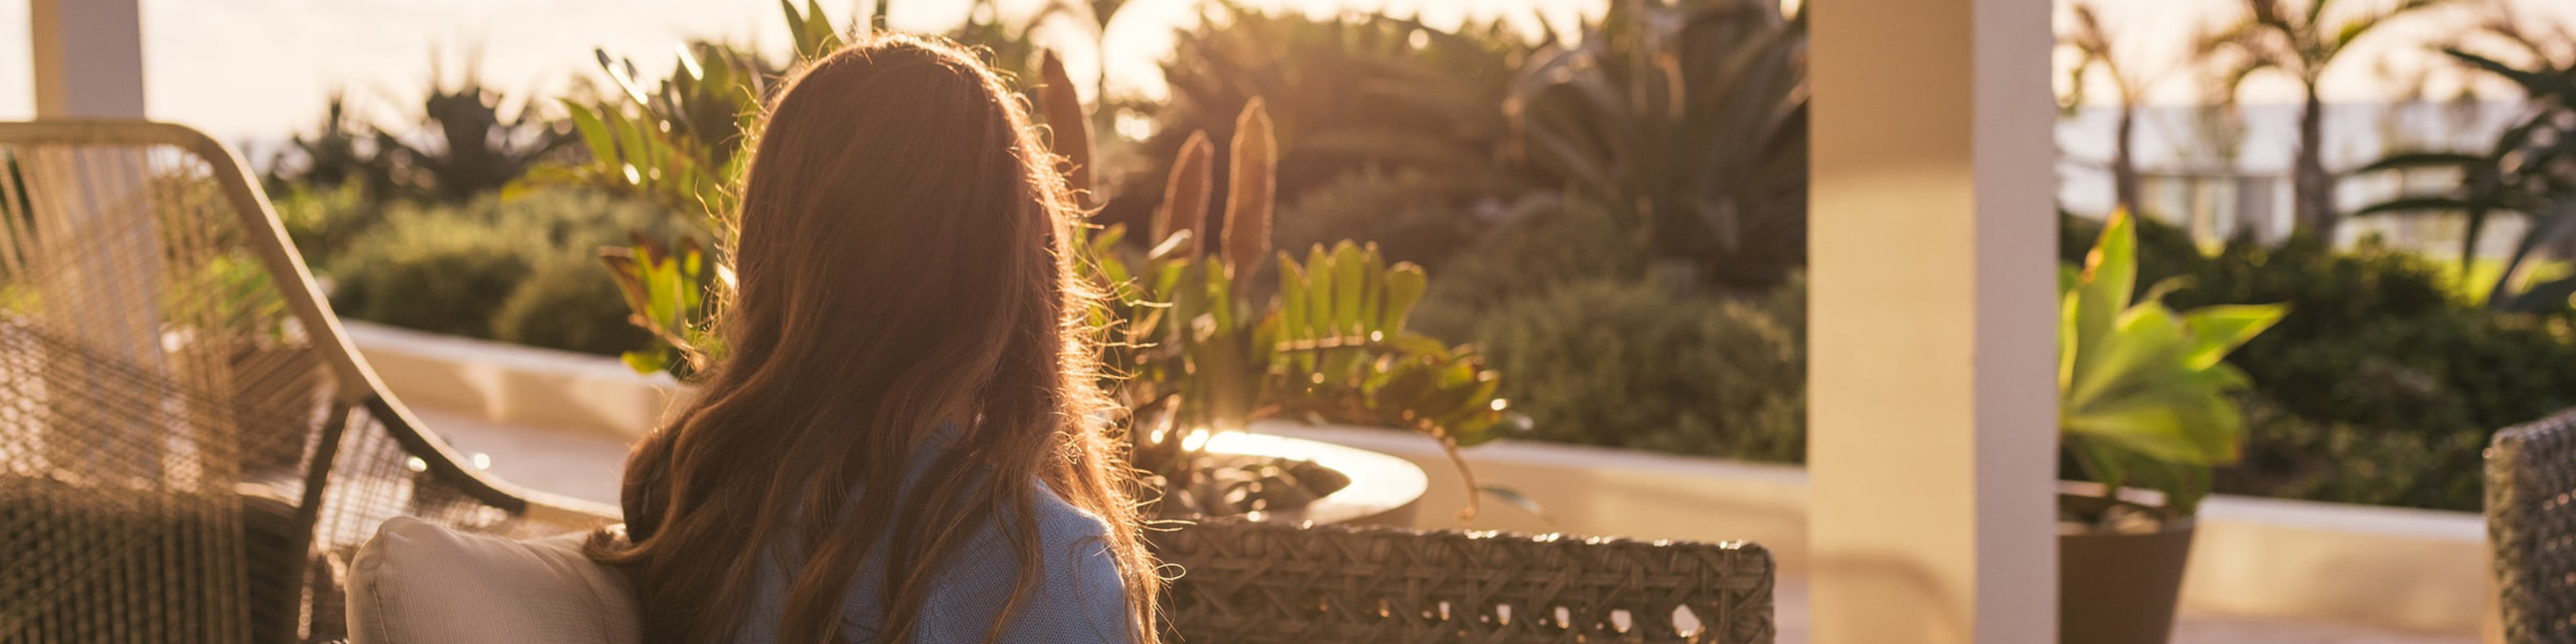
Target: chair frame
303 295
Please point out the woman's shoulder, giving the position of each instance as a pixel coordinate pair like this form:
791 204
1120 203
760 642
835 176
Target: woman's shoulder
1078 594
1067 534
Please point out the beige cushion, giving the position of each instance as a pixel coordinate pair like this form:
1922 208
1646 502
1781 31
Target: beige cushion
421 583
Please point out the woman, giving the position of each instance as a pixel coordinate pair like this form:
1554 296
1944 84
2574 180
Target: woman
903 443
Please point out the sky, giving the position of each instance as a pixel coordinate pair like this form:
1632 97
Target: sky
260 69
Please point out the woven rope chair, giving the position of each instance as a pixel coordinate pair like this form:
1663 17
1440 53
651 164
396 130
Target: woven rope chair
189 449
1260 583
2531 524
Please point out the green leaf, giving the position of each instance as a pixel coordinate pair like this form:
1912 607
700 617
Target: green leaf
1320 289
2217 330
2103 291
593 134
1405 284
647 361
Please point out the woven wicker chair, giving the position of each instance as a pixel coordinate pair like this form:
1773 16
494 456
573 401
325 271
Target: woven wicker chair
1259 583
189 449
2531 524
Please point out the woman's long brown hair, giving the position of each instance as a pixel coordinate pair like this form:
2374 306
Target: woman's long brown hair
903 262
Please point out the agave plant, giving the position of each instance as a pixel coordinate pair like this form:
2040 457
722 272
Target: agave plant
1690 120
2530 171
339 151
476 150
2144 391
1204 350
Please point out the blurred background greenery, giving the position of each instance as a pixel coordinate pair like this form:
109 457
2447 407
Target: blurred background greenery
1613 212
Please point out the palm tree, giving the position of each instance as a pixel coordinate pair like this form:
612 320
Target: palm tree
2093 46
2270 36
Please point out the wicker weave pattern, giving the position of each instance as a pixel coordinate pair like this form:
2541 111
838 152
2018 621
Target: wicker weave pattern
2531 523
1253 583
189 450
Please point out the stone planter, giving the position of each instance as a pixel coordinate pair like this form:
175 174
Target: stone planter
2118 587
1384 490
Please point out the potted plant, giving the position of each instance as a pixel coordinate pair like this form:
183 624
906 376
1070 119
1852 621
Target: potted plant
2144 401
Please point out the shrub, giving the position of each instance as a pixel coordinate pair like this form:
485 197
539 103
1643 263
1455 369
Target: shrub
1624 364
322 221
517 270
2293 457
431 271
1568 243
1404 211
569 303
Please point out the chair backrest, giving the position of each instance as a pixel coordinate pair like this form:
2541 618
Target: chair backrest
2531 524
189 448
1252 583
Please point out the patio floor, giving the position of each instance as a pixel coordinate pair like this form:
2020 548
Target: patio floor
586 465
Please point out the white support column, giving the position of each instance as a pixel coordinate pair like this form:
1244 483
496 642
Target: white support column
1932 440
89 58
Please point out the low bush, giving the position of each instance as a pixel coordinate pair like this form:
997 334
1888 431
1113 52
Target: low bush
323 220
430 271
519 270
569 302
1570 243
1640 365
1411 215
2299 458
1597 352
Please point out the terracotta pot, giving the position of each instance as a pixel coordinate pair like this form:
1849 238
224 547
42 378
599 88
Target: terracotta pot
2118 587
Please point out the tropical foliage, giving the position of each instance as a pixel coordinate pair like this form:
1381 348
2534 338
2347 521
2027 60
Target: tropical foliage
1202 346
1690 119
2528 172
683 144
462 147
1202 352
2144 390
685 141
1366 95
1202 349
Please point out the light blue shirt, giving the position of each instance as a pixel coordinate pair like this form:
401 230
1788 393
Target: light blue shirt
1077 599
